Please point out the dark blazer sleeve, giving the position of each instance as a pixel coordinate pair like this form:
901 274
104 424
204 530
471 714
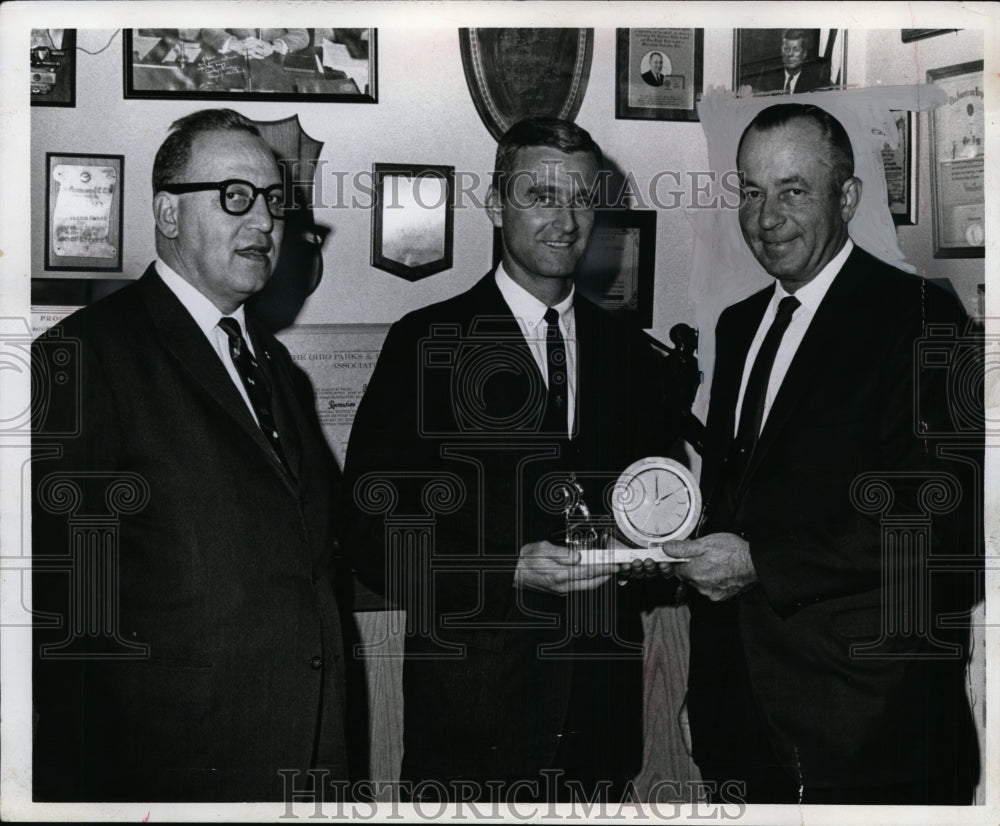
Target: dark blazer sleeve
395 469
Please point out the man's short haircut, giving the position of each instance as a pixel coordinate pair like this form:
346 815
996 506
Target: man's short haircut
837 141
796 34
563 135
657 54
174 154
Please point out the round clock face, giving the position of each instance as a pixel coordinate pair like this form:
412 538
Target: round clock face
656 500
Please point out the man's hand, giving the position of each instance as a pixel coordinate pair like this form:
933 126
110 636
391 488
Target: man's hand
557 569
254 48
718 565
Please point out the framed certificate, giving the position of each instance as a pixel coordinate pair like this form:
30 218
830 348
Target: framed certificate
957 162
901 172
83 215
658 73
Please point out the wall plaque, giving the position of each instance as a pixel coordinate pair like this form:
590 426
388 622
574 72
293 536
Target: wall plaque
520 73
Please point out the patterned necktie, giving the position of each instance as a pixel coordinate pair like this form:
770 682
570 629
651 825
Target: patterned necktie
556 408
752 413
254 381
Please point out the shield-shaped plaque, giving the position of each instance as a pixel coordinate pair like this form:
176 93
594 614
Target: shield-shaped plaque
520 73
300 266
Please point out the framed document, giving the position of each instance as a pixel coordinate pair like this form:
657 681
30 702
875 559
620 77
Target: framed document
83 212
53 67
318 64
339 360
776 61
900 170
412 219
957 162
658 73
45 316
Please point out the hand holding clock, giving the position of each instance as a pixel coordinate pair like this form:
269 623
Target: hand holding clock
718 565
556 569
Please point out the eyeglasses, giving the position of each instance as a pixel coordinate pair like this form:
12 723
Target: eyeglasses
237 197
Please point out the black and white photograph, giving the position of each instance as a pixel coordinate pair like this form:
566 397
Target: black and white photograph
659 73
789 61
596 425
251 63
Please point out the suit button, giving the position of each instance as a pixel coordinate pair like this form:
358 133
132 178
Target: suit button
316 663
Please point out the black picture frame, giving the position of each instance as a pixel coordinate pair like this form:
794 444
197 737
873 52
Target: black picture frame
184 64
413 226
682 54
957 160
757 60
618 270
53 67
79 235
909 35
901 170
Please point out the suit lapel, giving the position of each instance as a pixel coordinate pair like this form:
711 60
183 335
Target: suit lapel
733 344
194 357
818 343
492 318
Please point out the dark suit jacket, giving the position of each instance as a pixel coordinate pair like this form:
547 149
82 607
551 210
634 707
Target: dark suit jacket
847 407
224 571
447 460
651 80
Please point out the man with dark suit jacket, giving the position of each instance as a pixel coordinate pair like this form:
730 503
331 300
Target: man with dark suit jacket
523 668
201 653
819 672
799 72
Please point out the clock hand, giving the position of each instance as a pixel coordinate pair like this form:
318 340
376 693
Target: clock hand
667 495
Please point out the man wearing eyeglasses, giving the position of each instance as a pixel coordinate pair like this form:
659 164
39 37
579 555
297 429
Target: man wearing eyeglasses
214 658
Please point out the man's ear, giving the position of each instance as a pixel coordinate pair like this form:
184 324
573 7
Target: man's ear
494 208
850 197
165 214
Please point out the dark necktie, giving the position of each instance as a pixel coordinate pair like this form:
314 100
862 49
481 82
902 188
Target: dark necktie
254 381
556 407
752 413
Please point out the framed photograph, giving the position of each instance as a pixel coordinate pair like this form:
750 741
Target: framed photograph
83 212
335 65
658 73
901 170
789 61
53 67
617 272
957 162
412 219
909 35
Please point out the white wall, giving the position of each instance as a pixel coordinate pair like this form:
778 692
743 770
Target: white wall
425 115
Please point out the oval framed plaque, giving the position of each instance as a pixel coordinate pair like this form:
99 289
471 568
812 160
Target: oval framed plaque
520 73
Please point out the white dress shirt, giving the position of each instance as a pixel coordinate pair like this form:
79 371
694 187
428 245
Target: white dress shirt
810 297
791 80
206 315
530 315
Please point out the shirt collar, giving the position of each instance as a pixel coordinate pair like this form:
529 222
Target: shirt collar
523 304
811 295
203 311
